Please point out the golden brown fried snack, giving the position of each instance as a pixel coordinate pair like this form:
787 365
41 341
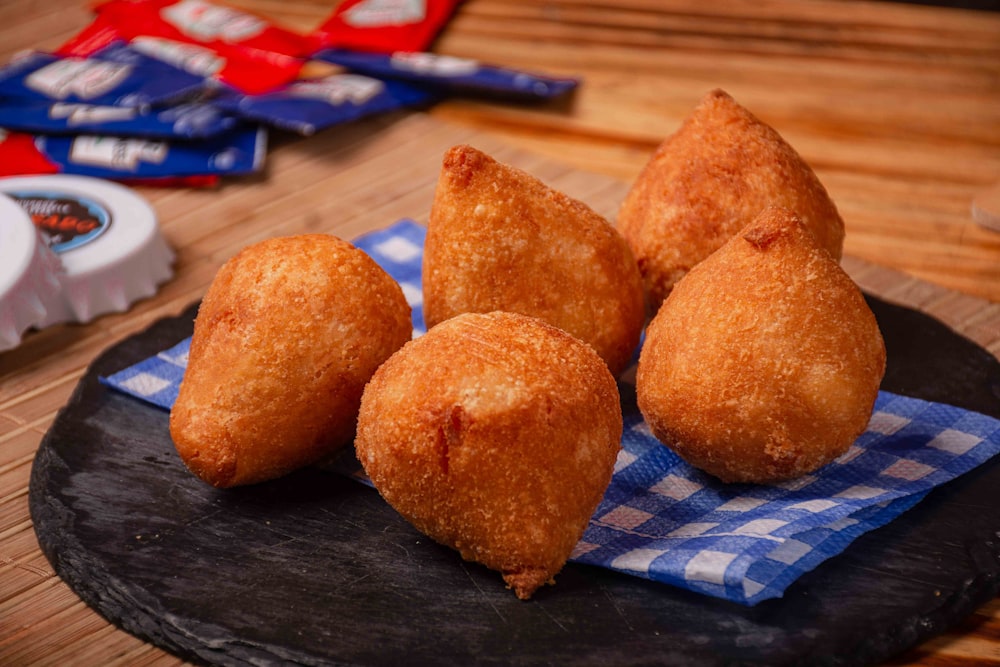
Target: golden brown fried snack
494 434
500 239
764 362
288 334
709 180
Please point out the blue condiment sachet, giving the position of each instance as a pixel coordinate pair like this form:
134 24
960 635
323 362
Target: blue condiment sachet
448 74
190 120
310 105
117 76
240 151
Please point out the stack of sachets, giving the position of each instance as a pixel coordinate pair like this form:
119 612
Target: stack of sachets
102 106
184 91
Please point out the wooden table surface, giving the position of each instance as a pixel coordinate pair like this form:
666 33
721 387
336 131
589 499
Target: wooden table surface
896 106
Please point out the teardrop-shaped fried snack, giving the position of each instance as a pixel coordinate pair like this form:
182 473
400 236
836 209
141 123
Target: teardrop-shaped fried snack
764 362
286 337
709 180
495 434
500 239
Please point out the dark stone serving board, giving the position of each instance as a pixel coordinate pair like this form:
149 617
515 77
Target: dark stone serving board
316 569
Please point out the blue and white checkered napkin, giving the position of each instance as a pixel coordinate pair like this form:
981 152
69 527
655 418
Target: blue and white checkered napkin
664 520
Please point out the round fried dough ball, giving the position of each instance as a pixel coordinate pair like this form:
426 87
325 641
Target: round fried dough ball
500 239
764 362
709 180
494 434
286 337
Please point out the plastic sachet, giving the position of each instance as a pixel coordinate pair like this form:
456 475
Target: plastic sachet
385 25
214 25
111 78
310 105
448 74
134 159
191 120
248 70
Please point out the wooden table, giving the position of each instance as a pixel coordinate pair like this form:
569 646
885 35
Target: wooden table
897 107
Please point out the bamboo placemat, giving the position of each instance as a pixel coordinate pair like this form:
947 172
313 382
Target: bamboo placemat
342 182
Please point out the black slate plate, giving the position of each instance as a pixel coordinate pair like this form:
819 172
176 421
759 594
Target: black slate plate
317 569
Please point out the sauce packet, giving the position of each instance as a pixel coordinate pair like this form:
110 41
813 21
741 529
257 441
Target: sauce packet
111 78
310 105
193 120
95 36
132 159
18 155
250 71
246 70
451 74
216 26
385 25
193 181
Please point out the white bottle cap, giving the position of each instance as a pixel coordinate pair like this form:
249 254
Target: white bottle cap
106 237
29 274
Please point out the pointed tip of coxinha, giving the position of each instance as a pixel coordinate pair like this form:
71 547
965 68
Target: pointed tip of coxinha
499 238
706 182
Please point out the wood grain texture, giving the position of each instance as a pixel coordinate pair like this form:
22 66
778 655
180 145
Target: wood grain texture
897 107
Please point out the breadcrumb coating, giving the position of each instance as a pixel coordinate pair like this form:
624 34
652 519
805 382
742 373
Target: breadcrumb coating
764 362
494 434
286 337
500 239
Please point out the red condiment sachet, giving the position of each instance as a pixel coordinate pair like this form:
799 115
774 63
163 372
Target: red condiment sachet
216 26
247 69
385 25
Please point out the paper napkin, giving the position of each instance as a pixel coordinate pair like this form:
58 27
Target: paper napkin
664 520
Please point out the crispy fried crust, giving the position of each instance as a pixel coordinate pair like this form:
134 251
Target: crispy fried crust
764 362
286 337
495 434
500 239
709 180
